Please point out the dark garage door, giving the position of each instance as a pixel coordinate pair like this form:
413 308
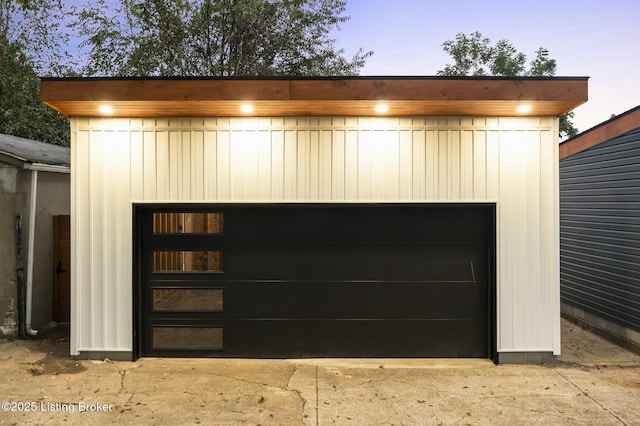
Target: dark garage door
314 280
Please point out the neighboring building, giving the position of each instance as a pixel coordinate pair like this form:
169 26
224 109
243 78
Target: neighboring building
351 217
600 228
34 187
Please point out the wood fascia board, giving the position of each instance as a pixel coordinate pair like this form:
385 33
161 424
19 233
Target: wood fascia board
603 132
441 90
91 90
349 96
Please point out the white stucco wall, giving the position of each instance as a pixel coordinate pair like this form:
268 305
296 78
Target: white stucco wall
510 161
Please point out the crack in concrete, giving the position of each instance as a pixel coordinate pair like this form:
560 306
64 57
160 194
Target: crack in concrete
585 393
130 398
123 373
285 388
294 370
297 392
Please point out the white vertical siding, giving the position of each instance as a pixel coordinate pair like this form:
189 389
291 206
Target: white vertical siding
512 162
550 233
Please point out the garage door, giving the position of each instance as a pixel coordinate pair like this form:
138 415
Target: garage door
314 280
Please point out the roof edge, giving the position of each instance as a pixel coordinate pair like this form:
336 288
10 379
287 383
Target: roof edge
600 133
23 152
52 168
14 160
318 78
314 96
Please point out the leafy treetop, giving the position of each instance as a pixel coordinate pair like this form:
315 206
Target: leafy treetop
475 55
216 38
31 39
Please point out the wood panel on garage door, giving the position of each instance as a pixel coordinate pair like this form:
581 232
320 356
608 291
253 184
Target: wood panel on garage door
315 280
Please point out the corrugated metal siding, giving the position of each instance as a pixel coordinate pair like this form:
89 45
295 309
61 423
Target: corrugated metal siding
600 230
511 161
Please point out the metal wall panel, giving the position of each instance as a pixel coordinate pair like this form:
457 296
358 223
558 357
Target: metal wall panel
510 161
600 230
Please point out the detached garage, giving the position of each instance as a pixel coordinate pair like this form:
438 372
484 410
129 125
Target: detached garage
319 217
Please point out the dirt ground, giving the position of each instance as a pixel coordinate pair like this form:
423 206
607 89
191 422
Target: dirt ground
594 382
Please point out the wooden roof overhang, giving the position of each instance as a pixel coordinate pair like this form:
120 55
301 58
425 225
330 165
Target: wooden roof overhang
612 128
342 96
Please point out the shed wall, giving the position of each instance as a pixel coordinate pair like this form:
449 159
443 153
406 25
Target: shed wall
600 230
510 161
53 199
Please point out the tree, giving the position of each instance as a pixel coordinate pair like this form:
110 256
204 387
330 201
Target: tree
21 112
475 55
30 44
216 38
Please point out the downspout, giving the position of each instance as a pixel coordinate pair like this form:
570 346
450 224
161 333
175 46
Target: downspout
20 278
30 249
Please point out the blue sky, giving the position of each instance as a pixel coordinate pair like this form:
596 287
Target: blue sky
596 39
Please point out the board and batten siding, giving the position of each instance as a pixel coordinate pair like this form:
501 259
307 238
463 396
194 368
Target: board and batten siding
600 230
510 161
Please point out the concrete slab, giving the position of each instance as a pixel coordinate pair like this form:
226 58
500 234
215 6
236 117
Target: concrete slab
594 382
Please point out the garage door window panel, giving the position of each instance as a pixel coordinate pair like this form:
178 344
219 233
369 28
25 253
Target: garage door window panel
188 299
194 338
187 261
187 223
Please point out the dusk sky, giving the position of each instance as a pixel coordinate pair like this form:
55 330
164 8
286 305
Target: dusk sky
595 39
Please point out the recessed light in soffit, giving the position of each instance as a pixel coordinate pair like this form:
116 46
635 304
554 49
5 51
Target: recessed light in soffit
246 108
524 108
382 108
105 109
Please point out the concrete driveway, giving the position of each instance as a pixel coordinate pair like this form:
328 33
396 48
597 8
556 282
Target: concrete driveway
594 383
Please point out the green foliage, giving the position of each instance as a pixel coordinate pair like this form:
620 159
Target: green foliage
22 43
216 38
542 66
471 55
567 129
474 55
41 29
